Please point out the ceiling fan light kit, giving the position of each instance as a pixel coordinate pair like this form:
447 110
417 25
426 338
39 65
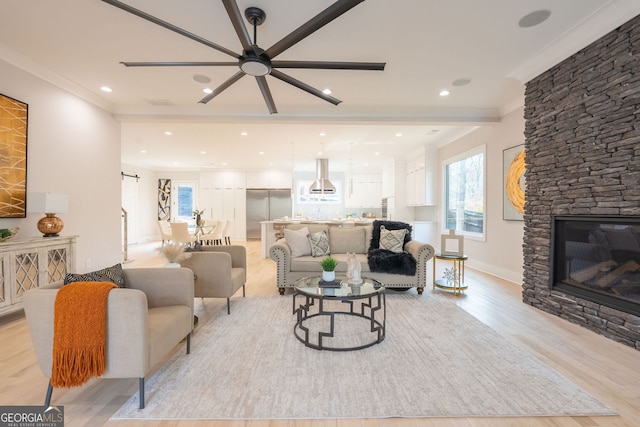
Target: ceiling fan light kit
255 61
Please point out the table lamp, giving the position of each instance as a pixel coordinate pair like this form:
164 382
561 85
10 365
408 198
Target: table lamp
50 204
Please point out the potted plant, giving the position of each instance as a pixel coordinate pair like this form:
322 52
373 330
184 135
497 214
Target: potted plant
197 214
174 253
328 265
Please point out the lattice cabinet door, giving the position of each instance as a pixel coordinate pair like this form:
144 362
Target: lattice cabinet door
4 284
57 264
31 264
26 272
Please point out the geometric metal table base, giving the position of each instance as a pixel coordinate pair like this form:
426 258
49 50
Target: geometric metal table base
366 301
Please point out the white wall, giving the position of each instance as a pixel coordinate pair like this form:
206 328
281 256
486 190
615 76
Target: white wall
73 148
501 253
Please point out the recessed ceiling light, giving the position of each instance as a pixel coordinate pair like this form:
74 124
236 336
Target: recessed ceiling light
461 82
319 153
201 79
377 153
143 151
444 92
323 134
203 152
260 152
534 18
398 134
224 163
166 132
243 133
327 91
106 89
207 90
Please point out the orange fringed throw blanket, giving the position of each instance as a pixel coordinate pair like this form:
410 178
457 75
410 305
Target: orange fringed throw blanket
79 333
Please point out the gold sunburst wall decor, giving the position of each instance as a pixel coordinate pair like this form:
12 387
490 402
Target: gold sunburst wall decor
514 183
13 158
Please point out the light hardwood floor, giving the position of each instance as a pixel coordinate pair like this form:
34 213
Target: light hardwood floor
606 369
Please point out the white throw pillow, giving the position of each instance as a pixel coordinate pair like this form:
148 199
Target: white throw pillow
392 240
298 241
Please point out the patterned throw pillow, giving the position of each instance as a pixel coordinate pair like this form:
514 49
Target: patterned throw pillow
319 243
392 240
110 274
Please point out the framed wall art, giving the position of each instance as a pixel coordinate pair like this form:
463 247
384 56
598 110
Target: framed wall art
514 183
13 158
164 199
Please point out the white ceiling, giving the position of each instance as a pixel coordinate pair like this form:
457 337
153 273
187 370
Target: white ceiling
426 44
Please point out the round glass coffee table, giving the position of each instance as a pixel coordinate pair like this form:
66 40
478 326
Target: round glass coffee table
340 317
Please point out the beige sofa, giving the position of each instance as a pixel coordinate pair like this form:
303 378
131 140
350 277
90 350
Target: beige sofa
342 240
145 321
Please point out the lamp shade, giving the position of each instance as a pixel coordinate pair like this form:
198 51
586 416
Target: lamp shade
47 203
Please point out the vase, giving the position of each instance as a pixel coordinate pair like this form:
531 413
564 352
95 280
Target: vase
328 276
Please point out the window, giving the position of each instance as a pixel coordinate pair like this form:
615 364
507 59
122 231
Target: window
184 200
464 193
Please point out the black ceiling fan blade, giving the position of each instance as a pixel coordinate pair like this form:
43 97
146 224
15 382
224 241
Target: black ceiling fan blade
238 24
320 20
330 65
297 83
179 64
237 76
266 94
171 27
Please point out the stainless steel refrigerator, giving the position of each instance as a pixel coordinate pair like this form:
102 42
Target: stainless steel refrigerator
265 205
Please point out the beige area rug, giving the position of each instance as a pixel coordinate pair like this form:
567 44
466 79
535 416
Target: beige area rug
436 361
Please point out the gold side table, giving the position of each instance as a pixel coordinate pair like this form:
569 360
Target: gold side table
457 283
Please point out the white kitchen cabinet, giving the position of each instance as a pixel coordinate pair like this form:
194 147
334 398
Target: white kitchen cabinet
363 190
269 179
415 182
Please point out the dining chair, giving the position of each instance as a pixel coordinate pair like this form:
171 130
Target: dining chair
210 226
226 233
215 236
180 233
165 230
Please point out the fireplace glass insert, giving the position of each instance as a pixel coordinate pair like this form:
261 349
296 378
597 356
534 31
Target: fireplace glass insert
598 258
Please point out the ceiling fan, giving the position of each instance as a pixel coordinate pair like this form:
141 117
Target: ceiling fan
254 60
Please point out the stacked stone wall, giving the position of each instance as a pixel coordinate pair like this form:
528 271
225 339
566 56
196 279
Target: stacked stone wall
582 143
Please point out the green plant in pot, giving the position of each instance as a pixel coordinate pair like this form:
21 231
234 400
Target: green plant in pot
197 214
328 268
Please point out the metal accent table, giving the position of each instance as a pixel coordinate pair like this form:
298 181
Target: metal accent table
457 284
366 300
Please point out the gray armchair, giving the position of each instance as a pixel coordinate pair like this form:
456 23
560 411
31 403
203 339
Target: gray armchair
145 321
219 271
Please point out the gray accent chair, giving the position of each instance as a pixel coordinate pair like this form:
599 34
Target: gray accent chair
219 271
145 322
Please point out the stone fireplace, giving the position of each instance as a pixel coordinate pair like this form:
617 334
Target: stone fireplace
582 143
597 258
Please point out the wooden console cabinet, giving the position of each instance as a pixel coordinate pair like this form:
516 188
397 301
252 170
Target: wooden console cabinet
32 263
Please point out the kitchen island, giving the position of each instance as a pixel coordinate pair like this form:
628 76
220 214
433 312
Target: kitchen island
273 230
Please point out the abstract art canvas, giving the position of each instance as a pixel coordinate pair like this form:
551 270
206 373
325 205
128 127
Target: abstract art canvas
514 183
164 199
13 158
